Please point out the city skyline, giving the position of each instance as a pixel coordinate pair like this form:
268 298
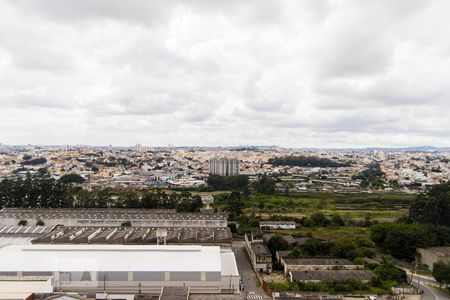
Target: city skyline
74 147
294 74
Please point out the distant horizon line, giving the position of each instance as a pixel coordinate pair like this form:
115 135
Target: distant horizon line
424 147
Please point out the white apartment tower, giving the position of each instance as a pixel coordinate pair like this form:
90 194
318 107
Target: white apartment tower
224 166
138 148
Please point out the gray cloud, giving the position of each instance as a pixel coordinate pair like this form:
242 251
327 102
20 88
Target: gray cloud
295 73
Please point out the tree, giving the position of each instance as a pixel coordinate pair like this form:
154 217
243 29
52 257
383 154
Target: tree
343 248
433 207
42 171
373 176
233 227
336 220
295 253
217 182
319 219
131 199
35 161
261 204
315 247
441 272
402 240
306 161
72 178
197 204
389 272
40 223
379 232
265 185
23 223
277 243
150 200
234 205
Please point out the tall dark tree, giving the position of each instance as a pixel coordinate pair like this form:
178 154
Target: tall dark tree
265 185
277 243
441 272
234 205
433 207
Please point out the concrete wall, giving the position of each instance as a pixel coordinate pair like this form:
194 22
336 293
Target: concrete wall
288 268
279 226
429 257
199 282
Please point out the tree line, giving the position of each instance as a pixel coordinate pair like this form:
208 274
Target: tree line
427 225
372 177
46 192
307 162
263 184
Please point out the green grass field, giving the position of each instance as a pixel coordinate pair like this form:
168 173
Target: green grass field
331 233
385 207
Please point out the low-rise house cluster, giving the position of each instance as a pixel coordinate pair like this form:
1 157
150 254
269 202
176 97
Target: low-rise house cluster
406 171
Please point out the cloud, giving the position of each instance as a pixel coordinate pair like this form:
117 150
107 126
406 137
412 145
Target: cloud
313 73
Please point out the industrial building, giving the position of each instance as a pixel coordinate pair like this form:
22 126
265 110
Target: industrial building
123 268
224 166
430 256
220 236
21 235
277 225
259 254
110 217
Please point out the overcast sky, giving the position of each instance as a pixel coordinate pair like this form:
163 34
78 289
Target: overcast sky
302 73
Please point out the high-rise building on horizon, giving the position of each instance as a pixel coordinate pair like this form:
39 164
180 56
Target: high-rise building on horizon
224 166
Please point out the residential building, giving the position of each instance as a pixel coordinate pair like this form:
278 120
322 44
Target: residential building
224 166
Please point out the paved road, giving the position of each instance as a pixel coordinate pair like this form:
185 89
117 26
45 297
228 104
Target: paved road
245 270
428 292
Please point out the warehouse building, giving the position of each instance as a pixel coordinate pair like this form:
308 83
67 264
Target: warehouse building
121 268
259 254
21 235
430 256
219 236
277 225
110 217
